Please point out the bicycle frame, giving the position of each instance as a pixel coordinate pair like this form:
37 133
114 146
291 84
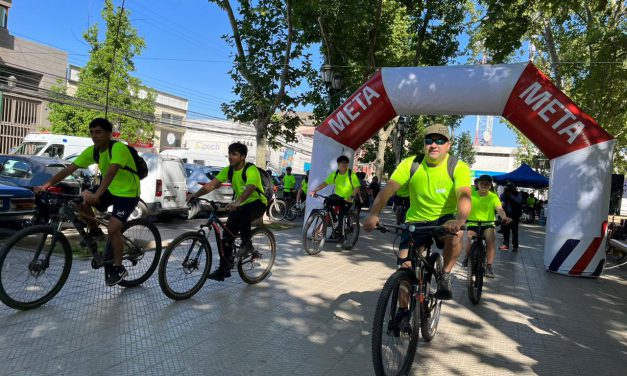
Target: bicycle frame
213 223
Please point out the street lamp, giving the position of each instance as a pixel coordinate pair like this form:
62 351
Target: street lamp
333 81
401 129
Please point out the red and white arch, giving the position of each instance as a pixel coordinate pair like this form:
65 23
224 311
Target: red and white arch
579 149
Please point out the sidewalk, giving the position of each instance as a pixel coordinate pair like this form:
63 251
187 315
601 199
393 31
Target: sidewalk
313 316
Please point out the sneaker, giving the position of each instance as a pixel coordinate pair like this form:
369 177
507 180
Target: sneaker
515 249
444 287
503 247
400 323
244 250
219 275
465 262
116 275
489 272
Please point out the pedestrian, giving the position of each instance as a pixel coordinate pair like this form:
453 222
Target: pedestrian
362 199
375 187
512 203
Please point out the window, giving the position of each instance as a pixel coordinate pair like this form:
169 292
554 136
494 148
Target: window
169 118
13 168
199 162
3 17
30 148
54 151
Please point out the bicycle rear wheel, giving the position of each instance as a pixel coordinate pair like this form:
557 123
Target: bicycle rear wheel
315 233
394 335
277 210
474 275
431 307
26 279
255 267
142 250
292 213
351 230
184 266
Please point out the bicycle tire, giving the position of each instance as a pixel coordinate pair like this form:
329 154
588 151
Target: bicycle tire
431 307
7 296
351 227
475 273
167 285
136 248
381 327
292 213
317 224
248 265
277 210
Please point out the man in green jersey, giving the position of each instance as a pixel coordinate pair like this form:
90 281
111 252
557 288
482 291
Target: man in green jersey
346 189
289 182
249 204
435 199
484 204
304 185
119 187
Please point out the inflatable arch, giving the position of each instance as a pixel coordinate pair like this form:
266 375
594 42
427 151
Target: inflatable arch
580 151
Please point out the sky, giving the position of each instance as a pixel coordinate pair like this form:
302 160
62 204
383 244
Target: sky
184 53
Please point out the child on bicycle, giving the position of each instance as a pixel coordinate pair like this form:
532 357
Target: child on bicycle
484 203
346 188
250 204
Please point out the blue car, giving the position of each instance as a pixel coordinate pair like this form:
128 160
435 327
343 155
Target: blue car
17 204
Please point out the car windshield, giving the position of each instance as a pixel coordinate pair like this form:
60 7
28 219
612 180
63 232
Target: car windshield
29 148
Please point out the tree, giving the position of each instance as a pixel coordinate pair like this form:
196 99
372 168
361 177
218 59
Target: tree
463 149
131 104
269 60
581 43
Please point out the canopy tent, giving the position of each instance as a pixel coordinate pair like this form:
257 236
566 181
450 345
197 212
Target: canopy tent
523 176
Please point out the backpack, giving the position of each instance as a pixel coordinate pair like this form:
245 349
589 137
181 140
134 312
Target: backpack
266 180
450 165
140 163
349 177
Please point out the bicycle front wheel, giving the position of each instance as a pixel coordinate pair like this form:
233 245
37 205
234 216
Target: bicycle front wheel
292 213
34 265
315 233
184 266
351 230
395 331
474 275
431 307
142 250
255 267
278 210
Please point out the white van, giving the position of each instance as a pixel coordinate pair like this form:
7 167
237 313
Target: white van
52 145
198 157
164 190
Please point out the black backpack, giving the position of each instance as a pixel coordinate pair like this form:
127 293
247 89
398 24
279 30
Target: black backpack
450 165
266 180
350 171
140 163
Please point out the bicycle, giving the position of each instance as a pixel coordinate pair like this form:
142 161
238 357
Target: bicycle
417 285
477 262
41 254
277 209
318 223
296 210
186 262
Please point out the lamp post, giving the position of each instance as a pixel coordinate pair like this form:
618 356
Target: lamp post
401 128
333 81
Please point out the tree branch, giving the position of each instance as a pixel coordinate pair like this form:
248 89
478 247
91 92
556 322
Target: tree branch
550 44
286 62
326 40
242 66
422 31
373 38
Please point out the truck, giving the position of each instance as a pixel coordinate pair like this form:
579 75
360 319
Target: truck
52 145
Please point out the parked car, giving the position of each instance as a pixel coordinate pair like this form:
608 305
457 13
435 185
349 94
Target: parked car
31 171
164 190
17 204
197 176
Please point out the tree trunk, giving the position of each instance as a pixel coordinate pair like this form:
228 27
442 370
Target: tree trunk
550 45
261 128
384 135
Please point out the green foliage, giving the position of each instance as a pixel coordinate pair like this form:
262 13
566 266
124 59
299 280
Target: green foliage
131 104
463 148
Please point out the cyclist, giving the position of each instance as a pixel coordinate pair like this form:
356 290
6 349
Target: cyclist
346 188
289 182
484 203
250 204
436 198
119 187
304 185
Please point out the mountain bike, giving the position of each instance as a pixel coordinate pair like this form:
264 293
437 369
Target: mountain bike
296 210
477 261
319 223
36 261
407 304
186 262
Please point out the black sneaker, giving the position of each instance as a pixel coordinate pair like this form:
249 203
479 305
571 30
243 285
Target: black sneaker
219 275
465 262
116 275
444 287
400 323
244 250
515 249
489 272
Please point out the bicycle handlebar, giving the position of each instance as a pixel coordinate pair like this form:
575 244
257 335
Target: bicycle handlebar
412 227
75 198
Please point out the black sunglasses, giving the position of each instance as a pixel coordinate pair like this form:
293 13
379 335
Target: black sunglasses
438 141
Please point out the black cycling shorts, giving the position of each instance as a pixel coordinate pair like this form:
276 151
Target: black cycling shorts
476 228
122 206
424 237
